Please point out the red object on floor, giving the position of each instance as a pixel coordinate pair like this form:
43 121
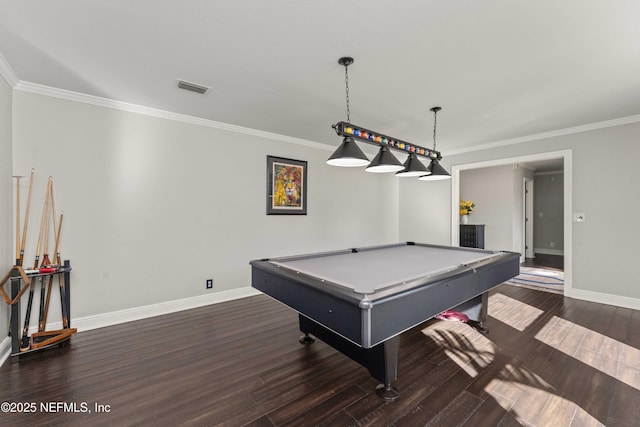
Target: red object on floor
453 316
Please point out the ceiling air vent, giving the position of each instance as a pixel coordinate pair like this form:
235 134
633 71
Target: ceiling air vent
192 87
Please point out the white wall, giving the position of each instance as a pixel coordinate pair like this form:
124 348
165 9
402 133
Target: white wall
154 207
604 247
492 191
421 216
7 239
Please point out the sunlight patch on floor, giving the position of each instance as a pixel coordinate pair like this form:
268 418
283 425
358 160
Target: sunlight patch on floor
503 307
467 348
471 365
599 351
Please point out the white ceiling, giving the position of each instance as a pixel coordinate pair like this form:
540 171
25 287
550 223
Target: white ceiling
500 69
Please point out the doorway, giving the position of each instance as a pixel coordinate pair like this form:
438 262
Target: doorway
565 156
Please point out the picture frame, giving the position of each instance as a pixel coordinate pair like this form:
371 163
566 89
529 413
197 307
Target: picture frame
286 186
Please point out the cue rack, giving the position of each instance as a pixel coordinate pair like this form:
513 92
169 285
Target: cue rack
42 274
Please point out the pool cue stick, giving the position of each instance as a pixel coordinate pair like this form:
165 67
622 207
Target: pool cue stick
45 259
4 294
42 322
17 177
20 251
45 256
39 244
42 325
57 256
56 230
63 308
26 218
26 342
4 279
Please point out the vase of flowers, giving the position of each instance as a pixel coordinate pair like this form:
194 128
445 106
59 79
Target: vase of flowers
466 207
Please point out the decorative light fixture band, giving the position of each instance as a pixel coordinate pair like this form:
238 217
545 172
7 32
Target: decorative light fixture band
375 138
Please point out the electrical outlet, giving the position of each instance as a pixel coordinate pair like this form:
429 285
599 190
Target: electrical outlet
209 283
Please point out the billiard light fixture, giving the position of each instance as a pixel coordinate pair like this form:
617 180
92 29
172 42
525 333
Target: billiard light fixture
349 154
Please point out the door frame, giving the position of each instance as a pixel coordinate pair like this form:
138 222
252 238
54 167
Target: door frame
528 218
566 155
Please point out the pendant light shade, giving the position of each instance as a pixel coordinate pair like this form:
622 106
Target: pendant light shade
384 162
413 167
348 154
437 172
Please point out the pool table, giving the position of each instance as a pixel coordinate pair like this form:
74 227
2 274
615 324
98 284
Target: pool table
360 300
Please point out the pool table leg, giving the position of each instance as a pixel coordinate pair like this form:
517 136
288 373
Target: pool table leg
380 360
385 390
482 316
307 339
476 310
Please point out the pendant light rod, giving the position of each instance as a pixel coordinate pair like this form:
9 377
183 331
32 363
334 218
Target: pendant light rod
348 154
346 61
435 118
437 172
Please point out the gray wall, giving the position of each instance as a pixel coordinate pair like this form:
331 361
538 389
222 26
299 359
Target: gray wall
153 207
497 194
547 204
604 248
491 191
424 216
7 254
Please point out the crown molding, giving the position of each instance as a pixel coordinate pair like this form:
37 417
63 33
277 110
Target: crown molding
163 114
7 72
545 135
9 75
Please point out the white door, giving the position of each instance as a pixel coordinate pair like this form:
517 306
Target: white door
527 250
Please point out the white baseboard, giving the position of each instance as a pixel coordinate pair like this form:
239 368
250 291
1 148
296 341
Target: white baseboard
548 251
602 298
121 316
137 313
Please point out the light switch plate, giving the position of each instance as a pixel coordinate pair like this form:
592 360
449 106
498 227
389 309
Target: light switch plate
579 217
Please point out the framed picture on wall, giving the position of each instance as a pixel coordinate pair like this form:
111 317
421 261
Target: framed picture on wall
286 186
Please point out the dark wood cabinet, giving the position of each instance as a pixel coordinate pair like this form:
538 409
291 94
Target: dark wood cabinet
472 235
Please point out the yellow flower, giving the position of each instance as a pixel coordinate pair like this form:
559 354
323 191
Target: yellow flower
466 207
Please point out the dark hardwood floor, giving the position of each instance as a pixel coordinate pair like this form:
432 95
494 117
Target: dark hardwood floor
548 361
551 262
